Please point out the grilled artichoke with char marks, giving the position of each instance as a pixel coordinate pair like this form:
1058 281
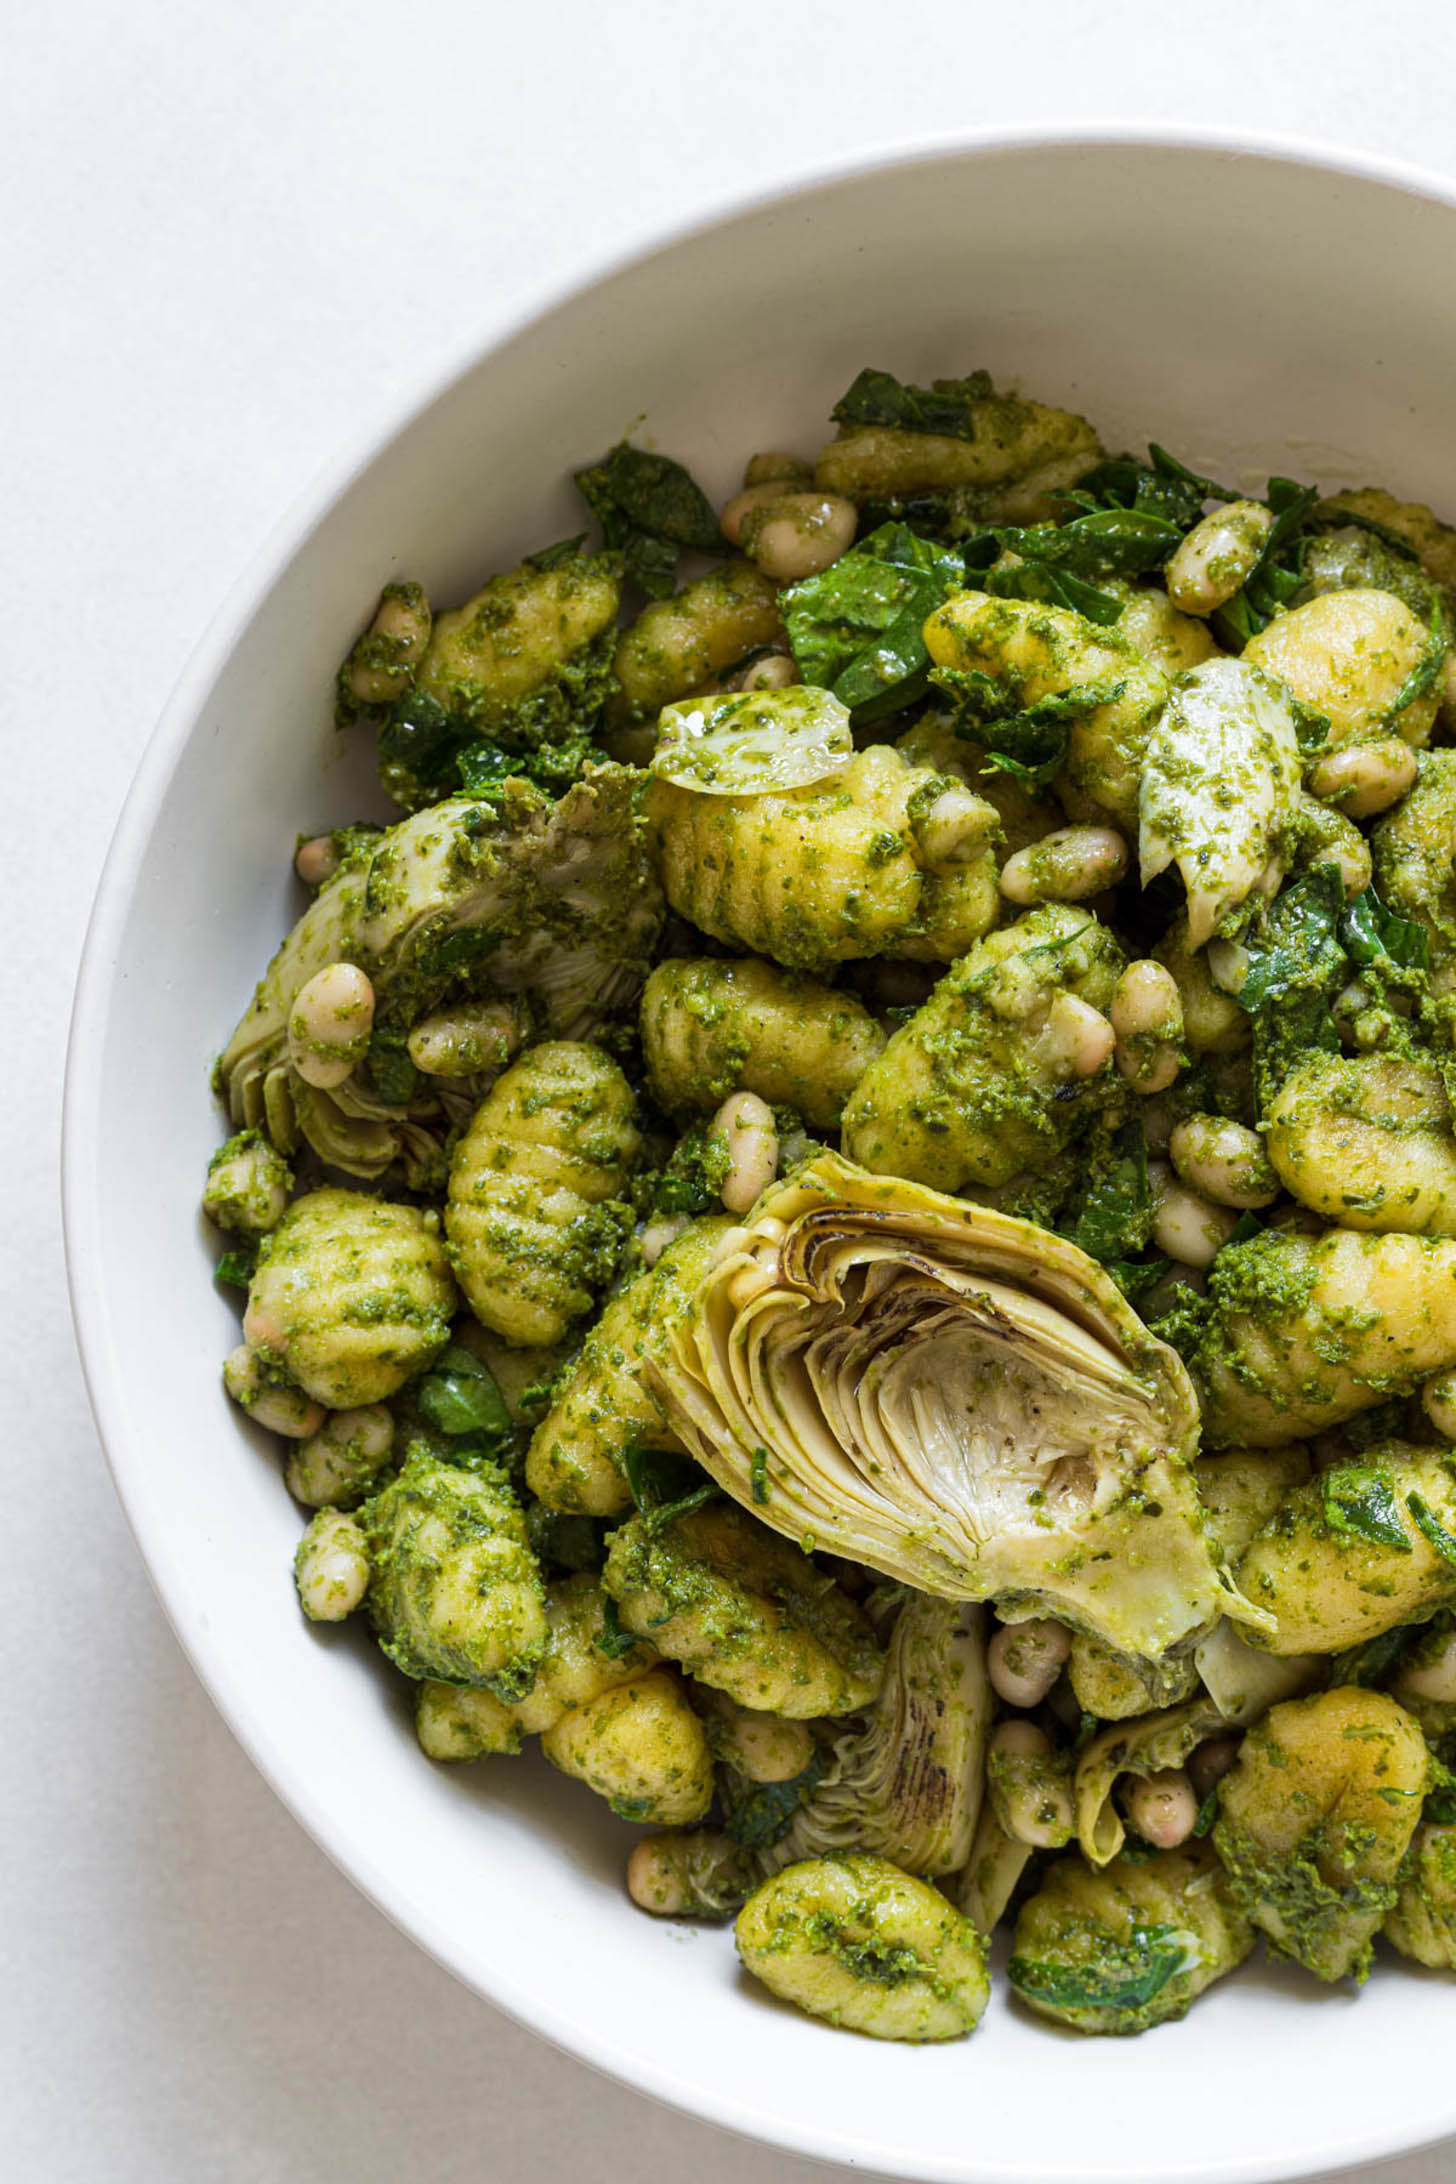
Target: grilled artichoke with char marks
463 901
957 1399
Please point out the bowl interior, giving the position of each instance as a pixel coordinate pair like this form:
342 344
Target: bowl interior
1254 314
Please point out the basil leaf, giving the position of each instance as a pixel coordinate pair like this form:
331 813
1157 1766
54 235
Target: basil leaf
944 407
855 629
649 508
1360 1499
1126 1974
458 1395
1443 1541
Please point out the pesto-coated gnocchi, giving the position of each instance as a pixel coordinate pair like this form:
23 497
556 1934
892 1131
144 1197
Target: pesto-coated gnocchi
847 1228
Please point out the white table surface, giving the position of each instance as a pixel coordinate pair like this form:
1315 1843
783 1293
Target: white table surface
234 231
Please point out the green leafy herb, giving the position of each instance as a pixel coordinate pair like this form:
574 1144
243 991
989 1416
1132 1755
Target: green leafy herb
553 557
1439 1809
1059 562
1207 1813
664 1485
611 1639
946 406
236 1268
459 1396
1029 742
1296 963
1161 486
766 1814
1360 1499
855 629
1276 576
758 1474
1368 931
649 510
1443 1541
1125 1976
433 753
564 1541
1371 1663
1112 1212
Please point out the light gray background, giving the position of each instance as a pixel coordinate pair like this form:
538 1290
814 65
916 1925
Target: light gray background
231 234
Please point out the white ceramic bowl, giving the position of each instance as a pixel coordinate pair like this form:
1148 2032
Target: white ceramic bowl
1253 310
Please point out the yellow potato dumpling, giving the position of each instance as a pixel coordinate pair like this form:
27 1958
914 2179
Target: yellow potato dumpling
534 1218
859 1943
1349 655
1368 1143
711 1027
640 1746
514 639
678 645
352 1295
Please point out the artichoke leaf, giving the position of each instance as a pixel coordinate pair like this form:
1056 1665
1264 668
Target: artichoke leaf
1142 1747
955 1398
1244 1681
1219 786
907 1782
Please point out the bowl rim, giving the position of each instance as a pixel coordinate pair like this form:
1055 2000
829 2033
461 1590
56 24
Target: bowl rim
83 1094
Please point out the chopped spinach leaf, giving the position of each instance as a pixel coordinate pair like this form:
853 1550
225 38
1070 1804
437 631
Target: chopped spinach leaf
458 1396
855 630
611 1639
649 510
1443 1541
1207 1813
1370 1664
236 1268
1368 931
1360 1499
565 1541
1296 963
664 1485
766 1814
552 557
1276 577
1030 743
1161 486
1112 1212
1439 1809
944 407
1126 1975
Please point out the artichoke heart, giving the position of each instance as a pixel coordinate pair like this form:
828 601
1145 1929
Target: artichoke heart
957 1399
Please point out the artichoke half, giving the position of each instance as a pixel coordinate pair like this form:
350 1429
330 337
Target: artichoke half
466 899
957 1399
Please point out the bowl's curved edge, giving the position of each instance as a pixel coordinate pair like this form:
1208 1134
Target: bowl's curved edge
83 1094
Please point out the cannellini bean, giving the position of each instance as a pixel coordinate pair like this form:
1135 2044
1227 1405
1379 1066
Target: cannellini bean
1031 1792
766 1748
1364 778
1210 1761
380 665
1190 1228
463 1042
1076 1037
1217 556
955 829
1433 1677
799 534
338 1463
1067 866
655 1878
1024 1660
278 1409
329 1024
1162 1808
1224 1161
1147 1021
747 1123
778 469
1438 1401
659 1234
763 494
773 671
331 1568
316 860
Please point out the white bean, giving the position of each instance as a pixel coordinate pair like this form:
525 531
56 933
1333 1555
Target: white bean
776 468
747 1123
381 663
463 1042
799 534
1163 1808
1433 1679
1070 865
1191 1229
316 860
761 494
329 1025
1147 1020
1224 1161
278 1409
1210 1761
655 1879
1217 556
772 671
1035 1801
1438 1401
336 1464
767 1749
1076 1037
955 829
659 1234
1024 1660
1364 778
331 1568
